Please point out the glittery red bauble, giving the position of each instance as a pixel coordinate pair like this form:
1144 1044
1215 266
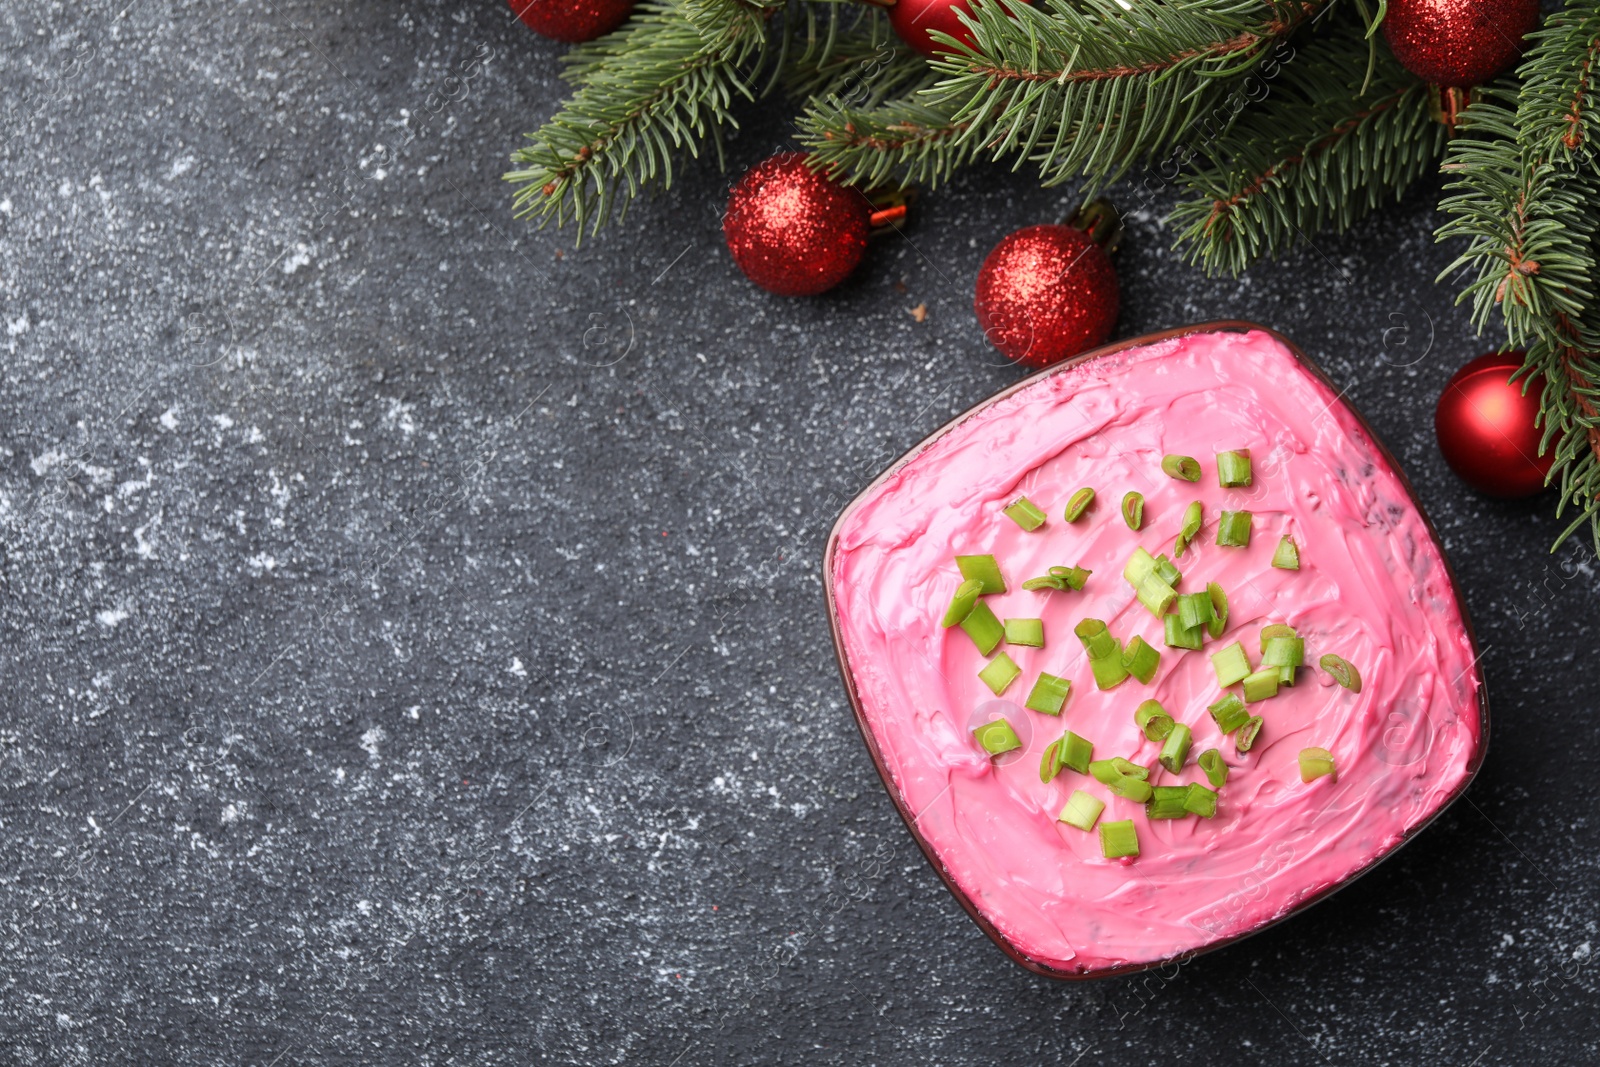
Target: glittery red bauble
1486 427
792 231
1458 42
572 20
912 19
1046 293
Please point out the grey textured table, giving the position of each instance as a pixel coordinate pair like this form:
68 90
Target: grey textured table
414 649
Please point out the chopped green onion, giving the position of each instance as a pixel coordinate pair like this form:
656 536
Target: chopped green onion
1285 653
1133 510
1194 609
1140 659
1075 577
1129 769
1000 673
1216 770
1231 665
1026 514
1153 719
1185 467
1118 839
1315 763
985 570
966 595
1155 594
1129 788
1246 736
1046 582
996 737
1176 748
1287 556
1167 802
1082 810
1344 672
1029 632
1097 640
984 628
1140 565
1233 468
1276 629
1180 636
1219 610
1075 752
1229 713
1107 771
1109 672
1192 517
1233 529
1168 570
1079 503
1050 763
1048 694
1200 801
1261 685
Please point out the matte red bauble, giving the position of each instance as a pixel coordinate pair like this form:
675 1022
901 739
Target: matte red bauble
1046 293
573 21
1486 427
792 231
1458 42
912 19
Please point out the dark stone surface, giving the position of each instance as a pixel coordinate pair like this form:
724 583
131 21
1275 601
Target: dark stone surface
414 649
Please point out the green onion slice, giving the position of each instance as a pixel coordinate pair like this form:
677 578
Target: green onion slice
984 628
1246 737
1140 659
1076 752
1118 839
999 674
1153 720
1176 748
1049 693
1229 713
1050 763
983 568
1194 609
1262 685
1082 810
1192 517
1180 636
996 737
1216 770
1079 503
1029 632
1185 467
1316 763
1109 672
1287 556
1075 577
1344 672
1155 594
1233 468
1133 510
1026 514
1167 802
1276 629
1233 529
1284 652
966 595
1201 801
1140 565
1219 610
1168 570
1230 664
1097 640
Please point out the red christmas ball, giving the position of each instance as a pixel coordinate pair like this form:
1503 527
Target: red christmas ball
792 231
1486 427
1458 42
1046 293
573 21
912 19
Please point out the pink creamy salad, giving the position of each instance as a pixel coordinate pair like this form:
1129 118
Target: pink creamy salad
1372 587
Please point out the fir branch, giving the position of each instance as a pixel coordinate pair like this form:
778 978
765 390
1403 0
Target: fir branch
1523 196
655 88
1316 154
855 61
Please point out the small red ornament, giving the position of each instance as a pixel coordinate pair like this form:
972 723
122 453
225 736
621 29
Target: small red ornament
573 21
1046 293
792 231
1486 427
1458 43
912 19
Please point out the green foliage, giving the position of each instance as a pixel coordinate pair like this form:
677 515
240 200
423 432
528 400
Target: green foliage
1316 153
1525 185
